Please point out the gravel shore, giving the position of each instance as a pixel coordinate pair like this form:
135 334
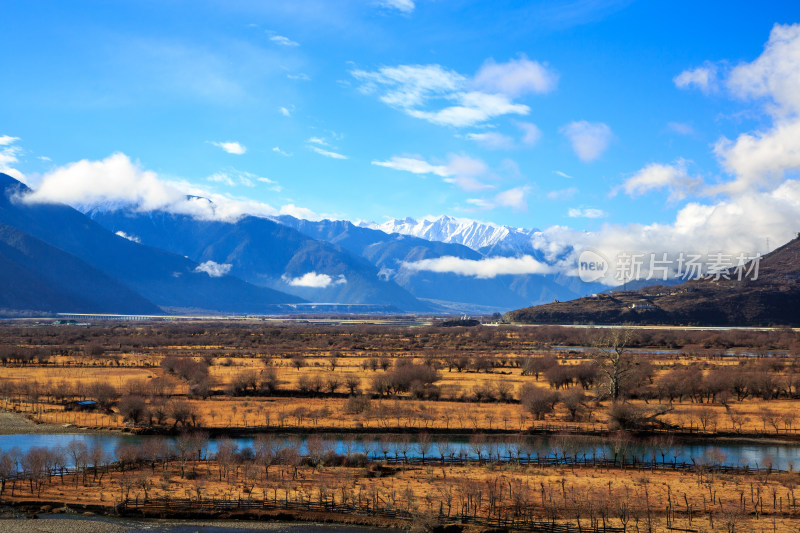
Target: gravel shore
68 524
59 525
17 424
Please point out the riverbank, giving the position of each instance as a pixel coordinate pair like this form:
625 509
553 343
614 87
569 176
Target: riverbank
19 424
55 517
105 524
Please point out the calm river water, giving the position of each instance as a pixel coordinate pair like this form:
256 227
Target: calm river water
780 456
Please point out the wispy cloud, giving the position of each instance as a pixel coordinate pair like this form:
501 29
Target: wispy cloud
285 111
516 199
415 165
283 41
233 177
278 150
445 97
404 6
680 128
232 147
460 170
9 156
563 194
530 133
586 212
515 77
562 174
675 178
327 153
704 78
491 139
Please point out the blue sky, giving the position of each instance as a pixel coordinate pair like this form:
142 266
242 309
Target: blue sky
586 114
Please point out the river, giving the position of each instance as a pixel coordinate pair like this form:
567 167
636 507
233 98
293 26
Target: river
783 456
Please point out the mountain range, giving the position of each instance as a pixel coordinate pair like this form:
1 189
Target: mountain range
125 260
487 238
66 254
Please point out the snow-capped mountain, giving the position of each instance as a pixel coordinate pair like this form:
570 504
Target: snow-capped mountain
485 237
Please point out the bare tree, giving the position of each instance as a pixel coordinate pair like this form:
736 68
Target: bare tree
614 364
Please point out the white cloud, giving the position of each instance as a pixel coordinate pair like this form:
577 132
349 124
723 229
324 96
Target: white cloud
283 41
587 212
405 6
704 78
483 268
317 140
132 238
761 159
117 181
408 86
460 170
445 97
232 147
213 269
9 155
562 174
589 140
775 74
675 178
277 150
285 111
233 177
468 183
299 212
475 108
327 153
221 177
739 224
491 139
530 133
114 179
516 77
301 76
515 198
415 165
315 281
563 194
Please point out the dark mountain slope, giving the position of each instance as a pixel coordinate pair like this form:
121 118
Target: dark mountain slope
162 277
771 299
37 276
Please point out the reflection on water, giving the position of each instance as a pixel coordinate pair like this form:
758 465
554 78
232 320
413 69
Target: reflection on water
780 456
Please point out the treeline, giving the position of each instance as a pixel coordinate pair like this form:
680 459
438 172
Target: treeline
247 339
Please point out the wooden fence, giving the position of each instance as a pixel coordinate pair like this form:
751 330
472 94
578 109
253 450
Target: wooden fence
171 506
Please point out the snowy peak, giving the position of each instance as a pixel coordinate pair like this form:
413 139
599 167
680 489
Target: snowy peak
470 233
